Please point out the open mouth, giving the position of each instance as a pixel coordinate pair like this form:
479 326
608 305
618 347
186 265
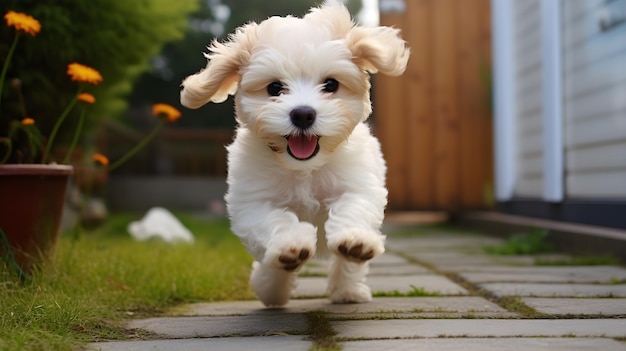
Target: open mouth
302 147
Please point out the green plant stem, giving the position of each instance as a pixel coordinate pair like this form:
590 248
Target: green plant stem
20 98
79 127
10 257
138 147
9 144
56 128
5 67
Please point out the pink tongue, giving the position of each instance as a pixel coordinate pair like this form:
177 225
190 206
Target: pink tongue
302 146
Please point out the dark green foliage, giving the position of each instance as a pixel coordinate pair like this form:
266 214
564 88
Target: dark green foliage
116 37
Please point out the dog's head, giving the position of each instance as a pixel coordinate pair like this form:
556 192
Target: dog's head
301 84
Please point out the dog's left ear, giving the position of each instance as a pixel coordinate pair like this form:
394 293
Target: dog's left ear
378 49
221 76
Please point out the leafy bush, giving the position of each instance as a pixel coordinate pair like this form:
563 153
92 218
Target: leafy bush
116 37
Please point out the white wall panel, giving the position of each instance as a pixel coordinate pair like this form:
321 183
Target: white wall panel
594 102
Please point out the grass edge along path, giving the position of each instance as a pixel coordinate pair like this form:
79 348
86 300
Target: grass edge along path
98 281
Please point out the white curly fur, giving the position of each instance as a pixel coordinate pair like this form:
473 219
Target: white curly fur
286 209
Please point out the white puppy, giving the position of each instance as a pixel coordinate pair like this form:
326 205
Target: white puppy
305 173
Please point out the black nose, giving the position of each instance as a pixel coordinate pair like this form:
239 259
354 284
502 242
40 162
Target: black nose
302 116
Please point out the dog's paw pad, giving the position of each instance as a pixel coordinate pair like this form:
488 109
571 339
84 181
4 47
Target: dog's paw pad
294 258
357 245
356 252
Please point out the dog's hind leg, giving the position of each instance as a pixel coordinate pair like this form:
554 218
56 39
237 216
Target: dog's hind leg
273 286
346 282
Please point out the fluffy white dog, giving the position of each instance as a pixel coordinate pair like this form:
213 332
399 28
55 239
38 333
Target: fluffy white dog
305 173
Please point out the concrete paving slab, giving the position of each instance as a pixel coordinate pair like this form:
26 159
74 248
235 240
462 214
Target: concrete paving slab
388 259
450 260
442 242
431 328
574 274
547 274
555 290
531 260
405 269
377 269
387 264
385 259
487 344
442 305
578 306
208 327
263 343
403 284
458 261
316 286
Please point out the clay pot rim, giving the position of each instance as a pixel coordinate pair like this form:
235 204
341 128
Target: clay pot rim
36 169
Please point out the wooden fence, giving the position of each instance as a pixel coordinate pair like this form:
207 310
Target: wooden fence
434 122
183 152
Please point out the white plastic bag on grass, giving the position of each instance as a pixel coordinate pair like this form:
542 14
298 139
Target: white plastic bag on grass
160 223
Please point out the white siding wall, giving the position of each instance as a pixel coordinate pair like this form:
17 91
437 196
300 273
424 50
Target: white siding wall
594 84
528 114
528 97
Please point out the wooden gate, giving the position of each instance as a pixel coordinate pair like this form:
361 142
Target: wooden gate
434 122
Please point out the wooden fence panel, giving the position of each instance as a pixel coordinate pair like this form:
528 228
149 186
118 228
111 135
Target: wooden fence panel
420 125
434 122
391 91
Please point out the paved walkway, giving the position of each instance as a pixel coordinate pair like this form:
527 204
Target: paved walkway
438 290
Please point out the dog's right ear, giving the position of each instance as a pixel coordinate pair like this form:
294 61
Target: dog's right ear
221 76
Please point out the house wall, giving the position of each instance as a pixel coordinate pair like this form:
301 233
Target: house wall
594 99
560 102
528 94
594 76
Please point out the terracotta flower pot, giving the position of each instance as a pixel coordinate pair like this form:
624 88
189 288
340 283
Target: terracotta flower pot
31 205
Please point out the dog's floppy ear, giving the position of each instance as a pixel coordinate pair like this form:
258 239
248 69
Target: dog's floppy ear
374 49
378 49
221 76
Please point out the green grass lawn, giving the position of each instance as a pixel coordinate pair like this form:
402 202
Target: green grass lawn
105 277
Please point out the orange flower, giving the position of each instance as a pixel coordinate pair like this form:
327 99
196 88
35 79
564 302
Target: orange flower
169 112
22 22
28 121
100 159
86 97
82 73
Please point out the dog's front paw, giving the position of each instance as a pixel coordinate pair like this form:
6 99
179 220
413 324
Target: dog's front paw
293 258
358 245
290 252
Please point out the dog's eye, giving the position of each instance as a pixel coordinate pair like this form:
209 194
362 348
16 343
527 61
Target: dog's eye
331 85
275 88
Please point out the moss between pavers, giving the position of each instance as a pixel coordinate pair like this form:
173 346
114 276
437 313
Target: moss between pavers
321 332
515 304
414 292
